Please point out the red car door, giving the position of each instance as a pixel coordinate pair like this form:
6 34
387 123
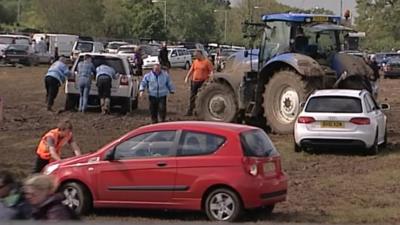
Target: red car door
195 160
143 170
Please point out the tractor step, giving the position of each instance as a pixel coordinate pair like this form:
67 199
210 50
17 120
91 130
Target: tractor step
250 109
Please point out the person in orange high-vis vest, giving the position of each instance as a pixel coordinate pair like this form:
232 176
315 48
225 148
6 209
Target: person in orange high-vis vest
201 70
52 142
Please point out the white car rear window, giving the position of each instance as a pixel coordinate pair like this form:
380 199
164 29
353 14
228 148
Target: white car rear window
334 104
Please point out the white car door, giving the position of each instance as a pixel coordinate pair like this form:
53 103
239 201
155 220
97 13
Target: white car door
173 59
379 116
181 58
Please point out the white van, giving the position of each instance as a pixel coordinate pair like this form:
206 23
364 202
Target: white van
64 43
86 47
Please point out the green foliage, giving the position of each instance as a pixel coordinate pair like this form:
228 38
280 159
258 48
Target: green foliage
192 20
8 12
189 20
379 19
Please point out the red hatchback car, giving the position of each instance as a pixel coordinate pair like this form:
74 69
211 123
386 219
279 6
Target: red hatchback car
219 168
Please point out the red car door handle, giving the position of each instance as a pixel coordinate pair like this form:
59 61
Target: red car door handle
161 164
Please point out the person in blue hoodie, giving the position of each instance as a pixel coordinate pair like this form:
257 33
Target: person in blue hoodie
158 84
54 78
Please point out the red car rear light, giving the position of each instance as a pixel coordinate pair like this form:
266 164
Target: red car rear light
305 119
360 121
124 80
250 166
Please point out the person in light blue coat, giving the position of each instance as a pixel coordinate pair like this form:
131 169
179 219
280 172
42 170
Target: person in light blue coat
54 78
158 84
86 70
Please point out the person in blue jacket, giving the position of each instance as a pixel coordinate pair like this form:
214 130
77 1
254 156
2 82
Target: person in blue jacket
158 84
86 70
54 78
104 76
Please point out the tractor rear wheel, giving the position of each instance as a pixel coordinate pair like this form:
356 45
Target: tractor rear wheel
282 98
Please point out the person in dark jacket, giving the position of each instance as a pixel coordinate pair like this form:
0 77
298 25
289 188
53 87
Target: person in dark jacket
46 205
163 57
138 61
159 85
374 79
12 201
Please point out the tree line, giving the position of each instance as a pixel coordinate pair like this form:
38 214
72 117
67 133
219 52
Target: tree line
189 20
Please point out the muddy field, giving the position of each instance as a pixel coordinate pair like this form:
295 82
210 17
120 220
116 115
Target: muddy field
328 187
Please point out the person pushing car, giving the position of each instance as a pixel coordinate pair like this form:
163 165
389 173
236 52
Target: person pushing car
51 144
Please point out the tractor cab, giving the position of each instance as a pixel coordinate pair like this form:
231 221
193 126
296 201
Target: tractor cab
316 36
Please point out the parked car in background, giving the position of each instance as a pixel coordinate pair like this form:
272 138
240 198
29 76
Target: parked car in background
178 58
124 90
112 46
22 54
341 118
146 50
85 47
219 168
391 69
382 57
7 39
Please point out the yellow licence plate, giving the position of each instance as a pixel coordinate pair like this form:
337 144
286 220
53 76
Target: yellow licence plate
320 19
332 124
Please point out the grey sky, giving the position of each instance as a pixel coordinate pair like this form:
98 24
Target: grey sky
333 5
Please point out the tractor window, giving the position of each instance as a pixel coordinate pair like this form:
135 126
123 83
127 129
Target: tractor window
276 40
325 42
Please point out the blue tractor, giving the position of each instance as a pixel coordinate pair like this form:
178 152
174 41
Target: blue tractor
298 53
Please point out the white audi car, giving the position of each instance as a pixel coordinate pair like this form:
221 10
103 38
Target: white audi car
341 118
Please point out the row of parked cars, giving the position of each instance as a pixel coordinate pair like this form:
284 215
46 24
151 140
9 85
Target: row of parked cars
42 48
180 56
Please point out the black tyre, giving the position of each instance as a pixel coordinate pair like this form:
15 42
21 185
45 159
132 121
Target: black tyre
282 97
77 197
385 139
187 66
71 102
126 105
223 205
297 148
135 103
374 149
216 102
